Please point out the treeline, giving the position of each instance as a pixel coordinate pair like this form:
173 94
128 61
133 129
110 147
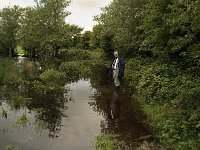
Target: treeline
157 28
40 30
161 38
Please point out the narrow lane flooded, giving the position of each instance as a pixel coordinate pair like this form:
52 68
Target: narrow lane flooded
71 117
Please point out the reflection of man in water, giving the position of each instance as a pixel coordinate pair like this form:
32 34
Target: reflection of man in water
114 106
117 69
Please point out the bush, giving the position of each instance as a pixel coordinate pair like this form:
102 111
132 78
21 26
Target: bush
52 76
10 74
49 81
133 68
98 54
170 96
17 73
75 69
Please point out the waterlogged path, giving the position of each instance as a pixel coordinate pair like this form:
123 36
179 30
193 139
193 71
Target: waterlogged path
71 119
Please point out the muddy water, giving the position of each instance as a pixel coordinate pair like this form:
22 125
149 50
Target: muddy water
72 118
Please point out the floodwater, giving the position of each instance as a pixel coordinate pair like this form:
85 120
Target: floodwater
71 119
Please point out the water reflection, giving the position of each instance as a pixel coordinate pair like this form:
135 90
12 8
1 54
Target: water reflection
48 109
28 101
122 114
48 115
4 114
114 106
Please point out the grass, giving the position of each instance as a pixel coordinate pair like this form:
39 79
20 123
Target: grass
107 142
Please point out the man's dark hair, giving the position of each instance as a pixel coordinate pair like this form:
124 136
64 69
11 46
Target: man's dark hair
116 51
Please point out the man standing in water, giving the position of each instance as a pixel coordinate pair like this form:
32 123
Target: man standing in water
117 69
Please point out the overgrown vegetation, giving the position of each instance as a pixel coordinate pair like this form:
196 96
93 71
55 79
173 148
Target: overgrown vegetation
159 38
170 99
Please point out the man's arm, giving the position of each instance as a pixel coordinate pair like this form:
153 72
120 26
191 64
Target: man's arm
123 64
110 69
122 67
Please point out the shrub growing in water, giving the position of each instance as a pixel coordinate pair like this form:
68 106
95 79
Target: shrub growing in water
49 81
75 70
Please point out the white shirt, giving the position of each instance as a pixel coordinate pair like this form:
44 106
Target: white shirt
115 63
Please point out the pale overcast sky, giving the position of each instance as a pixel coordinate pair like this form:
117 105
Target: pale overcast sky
82 11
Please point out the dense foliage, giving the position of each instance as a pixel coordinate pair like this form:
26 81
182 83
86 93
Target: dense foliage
9 26
159 38
162 38
41 30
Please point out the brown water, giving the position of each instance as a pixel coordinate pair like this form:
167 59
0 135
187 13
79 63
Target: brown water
70 120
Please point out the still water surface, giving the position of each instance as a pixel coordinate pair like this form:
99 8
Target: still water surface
72 119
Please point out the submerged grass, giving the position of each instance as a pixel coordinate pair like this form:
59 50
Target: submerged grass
21 122
11 147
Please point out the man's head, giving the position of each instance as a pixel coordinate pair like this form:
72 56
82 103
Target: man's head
116 53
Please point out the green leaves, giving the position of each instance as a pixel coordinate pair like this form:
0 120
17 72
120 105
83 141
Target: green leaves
170 97
50 81
119 26
108 142
172 29
39 30
9 26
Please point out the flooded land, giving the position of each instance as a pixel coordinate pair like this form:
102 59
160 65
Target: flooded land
68 114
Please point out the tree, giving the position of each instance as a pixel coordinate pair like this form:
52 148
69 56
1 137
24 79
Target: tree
44 30
120 25
85 40
9 26
102 39
172 31
73 32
